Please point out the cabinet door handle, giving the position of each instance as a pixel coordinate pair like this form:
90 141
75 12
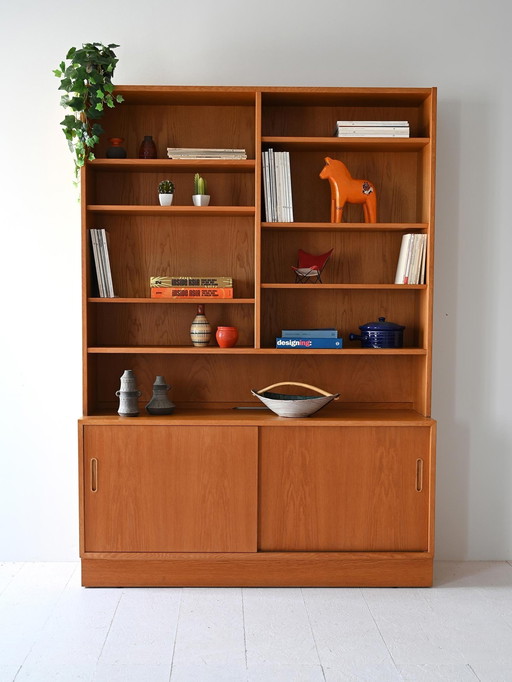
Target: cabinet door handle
419 475
94 475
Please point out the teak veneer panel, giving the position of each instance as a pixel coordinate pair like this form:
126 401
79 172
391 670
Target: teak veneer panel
344 489
182 489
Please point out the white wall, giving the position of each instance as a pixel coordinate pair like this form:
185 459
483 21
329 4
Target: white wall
457 45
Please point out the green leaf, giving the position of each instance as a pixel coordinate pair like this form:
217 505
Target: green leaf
100 94
99 106
71 53
57 72
119 99
65 84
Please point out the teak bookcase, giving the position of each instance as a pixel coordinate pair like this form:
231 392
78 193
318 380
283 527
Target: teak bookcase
214 495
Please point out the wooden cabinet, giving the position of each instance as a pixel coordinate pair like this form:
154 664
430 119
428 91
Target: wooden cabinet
170 489
215 494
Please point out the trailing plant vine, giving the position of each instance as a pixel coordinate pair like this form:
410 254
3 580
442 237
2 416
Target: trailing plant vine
86 79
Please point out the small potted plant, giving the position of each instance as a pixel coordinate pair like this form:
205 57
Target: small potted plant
200 198
166 192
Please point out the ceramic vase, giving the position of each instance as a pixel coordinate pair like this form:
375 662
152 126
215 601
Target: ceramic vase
226 336
200 329
128 395
160 403
116 149
147 149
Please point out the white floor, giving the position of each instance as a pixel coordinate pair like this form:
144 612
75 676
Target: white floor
53 629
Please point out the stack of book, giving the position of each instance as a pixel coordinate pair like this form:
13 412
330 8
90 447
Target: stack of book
102 263
205 153
178 286
277 187
372 129
412 260
309 338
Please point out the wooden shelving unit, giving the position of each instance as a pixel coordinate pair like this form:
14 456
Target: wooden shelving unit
218 493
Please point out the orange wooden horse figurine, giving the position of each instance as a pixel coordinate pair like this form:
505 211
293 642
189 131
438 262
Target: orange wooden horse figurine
345 188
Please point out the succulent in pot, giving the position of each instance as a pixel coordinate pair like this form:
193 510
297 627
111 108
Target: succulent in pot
166 192
200 197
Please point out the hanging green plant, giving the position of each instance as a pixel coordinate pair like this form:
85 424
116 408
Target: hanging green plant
86 79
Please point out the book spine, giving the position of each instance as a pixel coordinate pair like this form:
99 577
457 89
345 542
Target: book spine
310 333
302 343
371 124
108 272
204 282
97 262
192 292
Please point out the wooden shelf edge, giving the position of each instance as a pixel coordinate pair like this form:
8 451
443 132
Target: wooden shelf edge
403 144
172 301
254 415
190 350
358 227
141 165
167 211
323 287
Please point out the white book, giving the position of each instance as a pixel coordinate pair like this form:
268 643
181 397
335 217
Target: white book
272 185
97 262
264 174
402 259
278 160
415 259
377 132
109 286
289 197
353 130
423 263
372 123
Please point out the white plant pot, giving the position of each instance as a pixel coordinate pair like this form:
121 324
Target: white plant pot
201 199
165 199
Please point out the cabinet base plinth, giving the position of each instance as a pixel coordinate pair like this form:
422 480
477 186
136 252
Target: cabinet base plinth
260 569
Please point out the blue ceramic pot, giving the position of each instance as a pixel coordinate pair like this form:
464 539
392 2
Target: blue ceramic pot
380 334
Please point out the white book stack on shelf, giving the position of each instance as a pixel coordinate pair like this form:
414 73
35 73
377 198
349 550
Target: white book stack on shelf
372 129
411 267
205 153
277 187
102 263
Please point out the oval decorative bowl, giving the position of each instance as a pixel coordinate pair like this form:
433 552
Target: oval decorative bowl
286 405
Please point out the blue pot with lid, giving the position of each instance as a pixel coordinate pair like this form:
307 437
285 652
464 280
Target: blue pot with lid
380 334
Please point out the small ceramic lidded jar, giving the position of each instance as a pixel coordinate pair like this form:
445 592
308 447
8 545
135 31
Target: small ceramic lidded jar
160 403
226 336
128 395
200 329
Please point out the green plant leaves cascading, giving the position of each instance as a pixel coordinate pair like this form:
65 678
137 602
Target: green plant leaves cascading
86 79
